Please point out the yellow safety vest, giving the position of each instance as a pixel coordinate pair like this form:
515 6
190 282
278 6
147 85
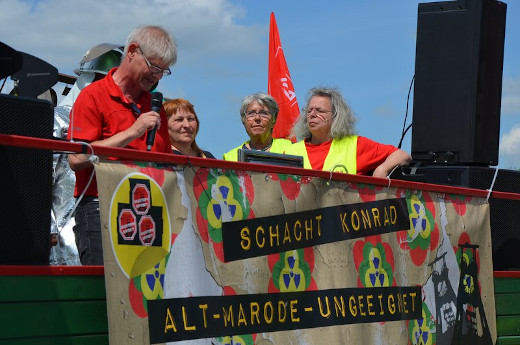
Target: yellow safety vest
342 156
278 146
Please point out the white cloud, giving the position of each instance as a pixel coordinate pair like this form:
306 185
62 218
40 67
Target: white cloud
61 31
510 142
511 95
509 152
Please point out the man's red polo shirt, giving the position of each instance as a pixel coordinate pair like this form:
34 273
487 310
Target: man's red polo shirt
99 112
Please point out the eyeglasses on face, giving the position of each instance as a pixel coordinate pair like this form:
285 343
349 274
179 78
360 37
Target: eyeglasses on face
155 69
264 115
318 111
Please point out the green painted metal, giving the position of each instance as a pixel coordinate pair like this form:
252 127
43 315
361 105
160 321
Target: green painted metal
53 309
101 339
51 288
71 310
507 304
507 285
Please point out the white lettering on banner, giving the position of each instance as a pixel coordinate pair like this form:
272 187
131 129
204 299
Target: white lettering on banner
277 49
288 93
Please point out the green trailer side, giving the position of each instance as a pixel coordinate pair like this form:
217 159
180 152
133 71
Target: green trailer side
63 306
58 308
507 301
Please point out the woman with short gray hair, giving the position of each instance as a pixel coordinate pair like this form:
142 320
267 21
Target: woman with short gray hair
258 113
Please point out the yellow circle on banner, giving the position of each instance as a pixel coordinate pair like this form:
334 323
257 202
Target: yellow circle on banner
136 206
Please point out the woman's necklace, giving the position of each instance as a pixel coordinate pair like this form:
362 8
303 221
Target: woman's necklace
262 149
188 152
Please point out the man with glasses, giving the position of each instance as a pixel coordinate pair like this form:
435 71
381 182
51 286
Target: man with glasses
328 141
116 112
258 113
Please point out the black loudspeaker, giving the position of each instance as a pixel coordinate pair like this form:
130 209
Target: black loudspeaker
25 183
11 60
505 227
35 77
458 82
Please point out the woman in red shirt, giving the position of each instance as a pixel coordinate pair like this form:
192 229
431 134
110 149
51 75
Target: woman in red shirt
328 141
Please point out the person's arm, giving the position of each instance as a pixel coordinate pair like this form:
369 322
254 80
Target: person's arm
396 158
144 122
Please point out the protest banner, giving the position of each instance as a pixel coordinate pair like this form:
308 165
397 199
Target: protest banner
220 255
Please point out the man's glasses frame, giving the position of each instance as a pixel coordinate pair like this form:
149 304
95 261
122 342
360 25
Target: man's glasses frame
155 69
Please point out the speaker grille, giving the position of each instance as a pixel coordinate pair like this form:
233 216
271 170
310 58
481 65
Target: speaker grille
458 82
505 228
25 182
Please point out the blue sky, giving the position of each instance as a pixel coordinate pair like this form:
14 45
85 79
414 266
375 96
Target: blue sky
364 48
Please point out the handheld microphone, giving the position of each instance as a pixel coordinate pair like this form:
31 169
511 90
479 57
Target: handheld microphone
157 99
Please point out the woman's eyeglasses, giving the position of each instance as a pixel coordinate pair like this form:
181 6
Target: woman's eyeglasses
264 115
318 111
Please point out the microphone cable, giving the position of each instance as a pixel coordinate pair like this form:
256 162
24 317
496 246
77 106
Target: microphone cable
404 131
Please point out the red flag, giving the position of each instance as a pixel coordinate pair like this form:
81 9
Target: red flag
280 86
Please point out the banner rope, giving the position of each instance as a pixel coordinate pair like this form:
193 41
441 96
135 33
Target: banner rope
388 177
492 184
95 160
